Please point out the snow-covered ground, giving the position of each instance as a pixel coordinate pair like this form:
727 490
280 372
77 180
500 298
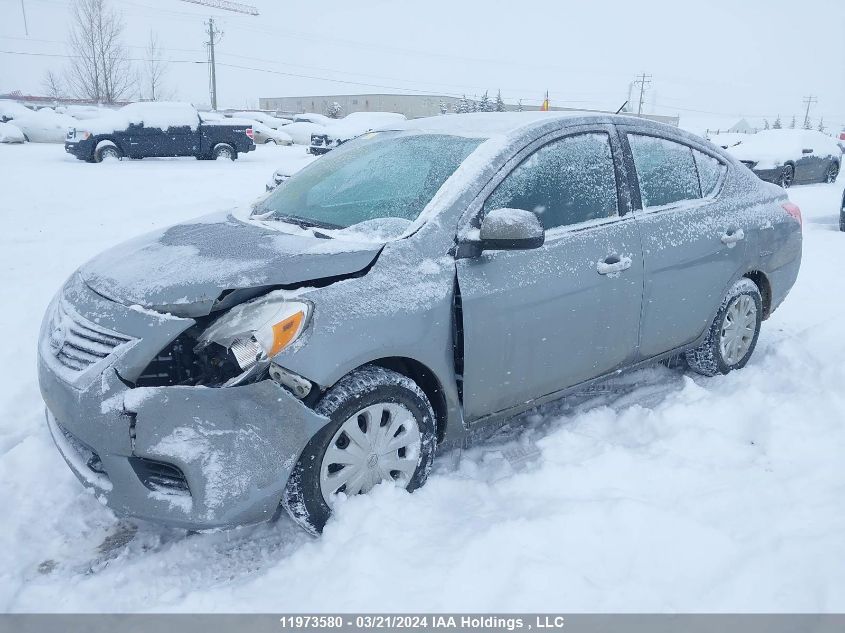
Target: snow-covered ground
669 492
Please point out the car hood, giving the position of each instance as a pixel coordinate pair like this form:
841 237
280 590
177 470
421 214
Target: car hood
184 270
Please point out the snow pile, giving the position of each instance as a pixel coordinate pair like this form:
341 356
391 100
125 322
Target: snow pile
10 134
772 148
159 114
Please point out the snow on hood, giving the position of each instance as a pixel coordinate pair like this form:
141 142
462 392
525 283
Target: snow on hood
772 148
184 269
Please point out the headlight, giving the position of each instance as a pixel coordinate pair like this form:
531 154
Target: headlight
256 331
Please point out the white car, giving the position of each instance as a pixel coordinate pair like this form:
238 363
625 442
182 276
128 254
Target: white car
9 133
45 126
301 131
264 135
354 124
12 109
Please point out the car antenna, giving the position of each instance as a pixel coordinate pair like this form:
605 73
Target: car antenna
622 107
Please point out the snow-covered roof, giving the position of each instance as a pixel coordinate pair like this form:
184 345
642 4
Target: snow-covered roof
485 124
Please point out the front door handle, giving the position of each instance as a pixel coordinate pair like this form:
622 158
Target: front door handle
613 265
732 237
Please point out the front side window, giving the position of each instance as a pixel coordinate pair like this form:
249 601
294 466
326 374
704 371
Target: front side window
566 182
385 175
665 170
710 172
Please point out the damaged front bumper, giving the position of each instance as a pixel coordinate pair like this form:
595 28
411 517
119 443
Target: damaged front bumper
190 457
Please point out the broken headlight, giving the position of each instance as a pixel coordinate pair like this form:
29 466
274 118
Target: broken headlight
254 332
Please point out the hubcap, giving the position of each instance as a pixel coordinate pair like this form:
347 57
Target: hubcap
738 329
378 443
224 153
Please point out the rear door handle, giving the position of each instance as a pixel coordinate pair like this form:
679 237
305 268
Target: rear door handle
613 265
732 237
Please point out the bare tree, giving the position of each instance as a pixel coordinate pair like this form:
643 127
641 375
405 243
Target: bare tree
53 86
155 68
100 68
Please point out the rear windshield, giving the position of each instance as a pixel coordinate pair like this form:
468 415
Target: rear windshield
381 175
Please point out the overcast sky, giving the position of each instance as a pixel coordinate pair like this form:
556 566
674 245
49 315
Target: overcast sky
753 58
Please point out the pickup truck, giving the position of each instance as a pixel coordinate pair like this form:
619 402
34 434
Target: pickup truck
142 130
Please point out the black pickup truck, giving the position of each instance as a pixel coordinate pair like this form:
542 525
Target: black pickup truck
142 130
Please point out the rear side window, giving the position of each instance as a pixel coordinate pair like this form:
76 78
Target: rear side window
710 172
566 182
666 170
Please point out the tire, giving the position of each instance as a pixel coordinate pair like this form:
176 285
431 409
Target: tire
353 403
106 152
718 354
832 173
787 176
224 152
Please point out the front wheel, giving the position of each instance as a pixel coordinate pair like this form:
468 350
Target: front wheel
108 152
733 334
382 428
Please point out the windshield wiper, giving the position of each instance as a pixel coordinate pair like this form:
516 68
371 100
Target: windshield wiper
304 223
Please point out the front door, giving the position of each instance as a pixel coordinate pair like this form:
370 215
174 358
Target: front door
538 321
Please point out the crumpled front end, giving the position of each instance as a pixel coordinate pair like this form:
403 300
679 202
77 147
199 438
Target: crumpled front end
188 456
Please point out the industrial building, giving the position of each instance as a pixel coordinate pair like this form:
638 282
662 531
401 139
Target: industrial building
411 105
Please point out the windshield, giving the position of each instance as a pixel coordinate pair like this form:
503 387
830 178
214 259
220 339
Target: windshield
381 175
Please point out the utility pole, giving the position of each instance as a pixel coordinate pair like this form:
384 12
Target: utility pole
644 81
212 34
809 101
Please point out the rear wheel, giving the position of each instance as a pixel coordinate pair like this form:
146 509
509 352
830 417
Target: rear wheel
224 152
382 429
787 176
832 173
733 334
270 141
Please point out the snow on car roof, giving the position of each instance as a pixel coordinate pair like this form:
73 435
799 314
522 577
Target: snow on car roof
485 124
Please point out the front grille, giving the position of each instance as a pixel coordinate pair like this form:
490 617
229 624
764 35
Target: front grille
160 476
78 343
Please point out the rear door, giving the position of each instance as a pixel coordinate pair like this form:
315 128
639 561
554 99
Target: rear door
694 243
538 321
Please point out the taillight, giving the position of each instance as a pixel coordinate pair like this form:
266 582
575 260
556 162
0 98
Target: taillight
250 133
794 211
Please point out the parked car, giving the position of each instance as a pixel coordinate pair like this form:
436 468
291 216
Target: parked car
263 135
9 133
274 123
10 109
302 131
155 129
312 117
351 126
401 295
788 157
841 141
44 126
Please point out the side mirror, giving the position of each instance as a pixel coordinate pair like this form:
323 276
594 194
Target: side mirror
511 229
806 151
